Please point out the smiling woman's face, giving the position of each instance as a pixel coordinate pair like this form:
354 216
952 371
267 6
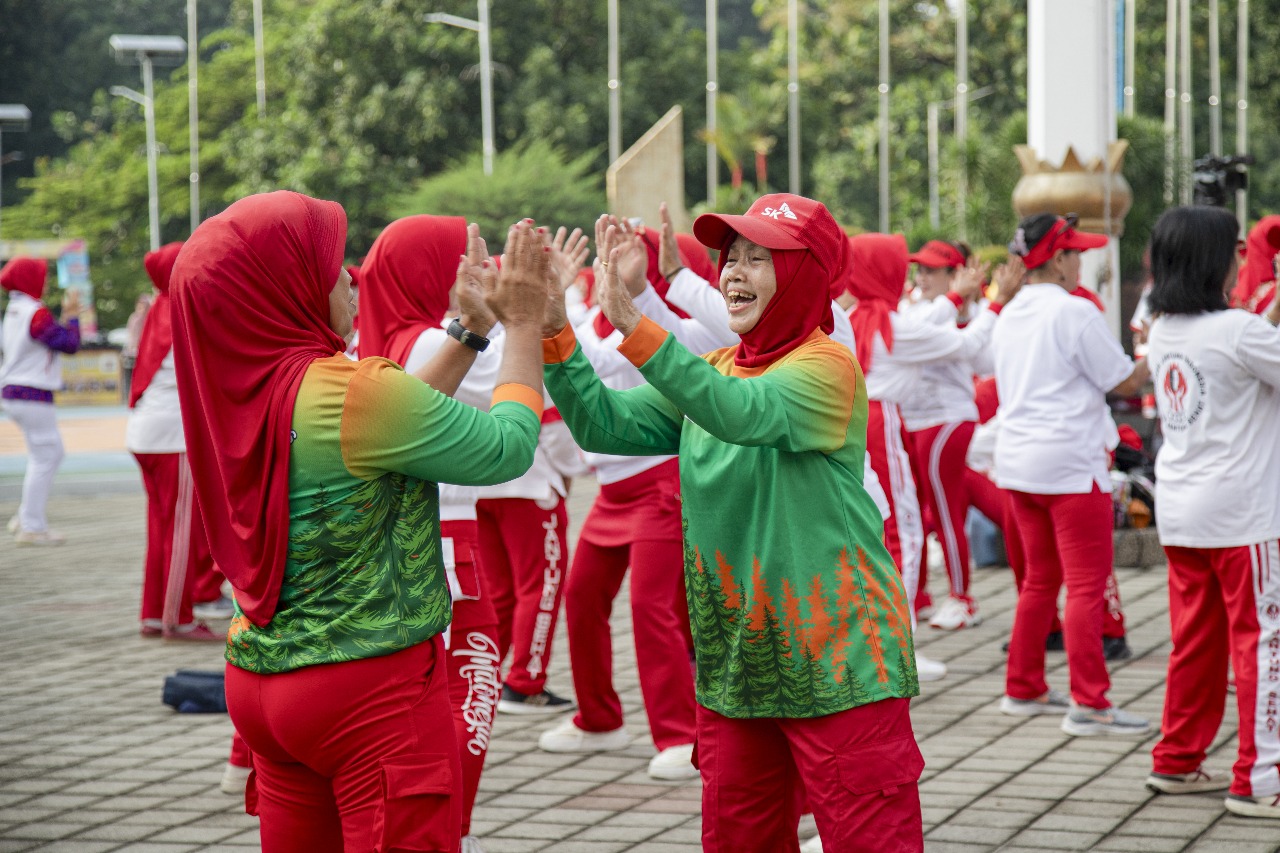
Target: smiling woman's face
747 283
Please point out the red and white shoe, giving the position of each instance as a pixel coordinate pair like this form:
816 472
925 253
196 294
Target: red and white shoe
955 614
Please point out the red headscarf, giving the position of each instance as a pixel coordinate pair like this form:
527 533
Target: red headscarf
876 274
250 294
25 275
405 282
1257 270
157 329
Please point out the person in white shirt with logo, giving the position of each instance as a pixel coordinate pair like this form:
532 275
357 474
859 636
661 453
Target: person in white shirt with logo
1055 362
1217 380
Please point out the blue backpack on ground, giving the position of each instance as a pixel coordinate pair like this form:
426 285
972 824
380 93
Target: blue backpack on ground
196 691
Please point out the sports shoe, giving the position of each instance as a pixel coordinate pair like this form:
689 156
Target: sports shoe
673 763
13 523
954 614
546 702
39 537
1196 781
1052 702
1085 722
1052 643
151 628
220 608
1267 806
1116 648
567 737
234 780
813 845
928 669
471 844
195 632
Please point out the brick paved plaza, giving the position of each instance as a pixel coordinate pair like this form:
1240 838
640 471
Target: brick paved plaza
90 760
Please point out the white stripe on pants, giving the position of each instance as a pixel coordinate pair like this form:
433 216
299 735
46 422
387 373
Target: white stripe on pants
39 425
1265 775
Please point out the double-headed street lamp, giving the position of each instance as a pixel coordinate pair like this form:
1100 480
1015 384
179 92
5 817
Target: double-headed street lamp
481 27
148 51
12 117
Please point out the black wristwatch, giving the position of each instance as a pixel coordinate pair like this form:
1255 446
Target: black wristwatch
459 333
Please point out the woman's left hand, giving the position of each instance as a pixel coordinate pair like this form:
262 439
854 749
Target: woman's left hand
614 298
469 287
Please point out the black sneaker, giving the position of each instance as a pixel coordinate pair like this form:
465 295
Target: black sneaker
1116 648
546 702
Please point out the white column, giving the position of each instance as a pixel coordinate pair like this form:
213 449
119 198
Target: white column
1071 103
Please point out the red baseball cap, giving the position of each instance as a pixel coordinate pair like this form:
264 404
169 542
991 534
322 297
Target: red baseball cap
778 221
937 255
1061 235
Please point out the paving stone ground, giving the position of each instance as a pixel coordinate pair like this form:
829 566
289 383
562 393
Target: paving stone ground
90 760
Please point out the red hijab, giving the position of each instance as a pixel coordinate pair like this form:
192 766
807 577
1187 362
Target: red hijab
695 256
876 274
250 294
25 275
405 282
1261 249
157 328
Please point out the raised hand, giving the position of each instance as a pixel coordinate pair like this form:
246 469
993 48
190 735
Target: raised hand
71 305
633 260
568 256
519 295
1009 277
968 281
669 262
469 286
614 297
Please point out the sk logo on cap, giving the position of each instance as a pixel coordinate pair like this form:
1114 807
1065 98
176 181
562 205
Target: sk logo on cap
775 212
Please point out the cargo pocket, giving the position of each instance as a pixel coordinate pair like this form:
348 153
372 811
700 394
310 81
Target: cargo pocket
884 766
418 813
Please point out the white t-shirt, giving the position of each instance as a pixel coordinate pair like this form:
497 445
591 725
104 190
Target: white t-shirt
155 423
943 393
919 339
1055 361
1217 378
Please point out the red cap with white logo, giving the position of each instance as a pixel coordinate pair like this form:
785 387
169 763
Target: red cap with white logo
778 221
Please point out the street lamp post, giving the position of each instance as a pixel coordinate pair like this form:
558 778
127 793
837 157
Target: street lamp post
713 45
934 109
193 109
147 51
793 95
481 27
884 116
1242 101
259 60
615 87
13 117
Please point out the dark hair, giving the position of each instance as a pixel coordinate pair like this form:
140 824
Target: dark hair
963 248
1032 230
1192 249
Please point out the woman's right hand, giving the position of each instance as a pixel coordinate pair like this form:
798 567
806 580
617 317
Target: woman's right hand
518 297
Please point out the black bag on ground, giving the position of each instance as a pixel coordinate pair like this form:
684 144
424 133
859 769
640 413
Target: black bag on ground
196 691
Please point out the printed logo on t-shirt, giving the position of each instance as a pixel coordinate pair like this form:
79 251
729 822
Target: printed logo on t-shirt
1180 388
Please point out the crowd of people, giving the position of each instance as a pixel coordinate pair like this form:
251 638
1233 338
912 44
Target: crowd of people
776 429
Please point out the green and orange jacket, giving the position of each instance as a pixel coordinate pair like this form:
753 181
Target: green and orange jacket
796 607
365 573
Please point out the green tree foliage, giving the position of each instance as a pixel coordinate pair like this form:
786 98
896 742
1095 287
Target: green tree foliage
533 179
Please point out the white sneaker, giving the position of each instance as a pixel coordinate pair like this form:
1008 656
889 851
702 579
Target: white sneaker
39 537
673 763
234 780
219 608
1267 806
567 737
813 845
1052 702
955 614
13 523
1081 721
471 844
928 669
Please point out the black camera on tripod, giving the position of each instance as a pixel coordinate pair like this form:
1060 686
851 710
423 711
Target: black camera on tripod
1216 179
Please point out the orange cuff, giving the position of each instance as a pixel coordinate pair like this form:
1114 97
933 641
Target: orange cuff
514 392
558 349
643 342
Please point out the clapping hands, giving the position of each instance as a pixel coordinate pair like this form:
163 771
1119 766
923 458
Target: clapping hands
614 294
518 294
470 286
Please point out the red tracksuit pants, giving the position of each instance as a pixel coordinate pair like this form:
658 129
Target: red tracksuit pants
938 456
859 769
652 547
523 554
352 756
1067 540
168 499
993 502
1224 604
903 532
475 681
